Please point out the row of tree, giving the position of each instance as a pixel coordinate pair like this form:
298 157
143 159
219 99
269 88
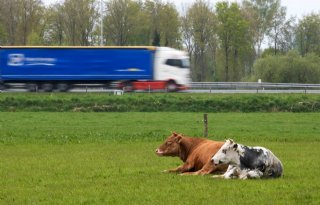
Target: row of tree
226 41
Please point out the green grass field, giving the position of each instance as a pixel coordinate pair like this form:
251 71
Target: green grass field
108 158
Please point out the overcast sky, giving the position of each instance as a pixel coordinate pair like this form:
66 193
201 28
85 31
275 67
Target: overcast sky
296 8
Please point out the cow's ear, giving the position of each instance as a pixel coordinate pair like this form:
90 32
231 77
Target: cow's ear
235 146
178 138
174 133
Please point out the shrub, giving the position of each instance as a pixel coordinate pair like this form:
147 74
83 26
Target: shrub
175 102
290 68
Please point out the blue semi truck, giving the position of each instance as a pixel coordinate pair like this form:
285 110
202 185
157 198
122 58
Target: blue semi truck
60 68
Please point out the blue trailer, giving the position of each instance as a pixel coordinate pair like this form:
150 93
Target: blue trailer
59 68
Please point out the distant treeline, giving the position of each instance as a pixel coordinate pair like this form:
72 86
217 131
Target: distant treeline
246 41
156 102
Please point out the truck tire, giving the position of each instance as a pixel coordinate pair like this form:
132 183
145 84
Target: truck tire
128 86
62 87
46 87
172 86
32 87
2 87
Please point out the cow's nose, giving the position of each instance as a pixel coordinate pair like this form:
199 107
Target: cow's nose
213 162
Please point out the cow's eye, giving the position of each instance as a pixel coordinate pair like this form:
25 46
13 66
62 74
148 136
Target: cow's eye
169 143
224 151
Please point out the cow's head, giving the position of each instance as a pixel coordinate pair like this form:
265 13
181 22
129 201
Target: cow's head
171 146
228 154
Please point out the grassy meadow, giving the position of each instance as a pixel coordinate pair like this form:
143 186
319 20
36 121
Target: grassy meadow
108 158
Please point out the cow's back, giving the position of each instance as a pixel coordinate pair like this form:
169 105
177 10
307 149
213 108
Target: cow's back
203 153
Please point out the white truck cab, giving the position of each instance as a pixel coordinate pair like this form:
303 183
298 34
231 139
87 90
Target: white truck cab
172 65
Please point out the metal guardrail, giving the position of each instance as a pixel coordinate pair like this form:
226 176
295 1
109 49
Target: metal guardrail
253 86
205 87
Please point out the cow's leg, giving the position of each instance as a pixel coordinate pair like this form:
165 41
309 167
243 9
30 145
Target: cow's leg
250 174
199 172
174 170
228 174
254 174
206 169
232 172
243 174
209 168
181 169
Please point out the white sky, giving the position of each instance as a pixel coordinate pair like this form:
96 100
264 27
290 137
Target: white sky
297 8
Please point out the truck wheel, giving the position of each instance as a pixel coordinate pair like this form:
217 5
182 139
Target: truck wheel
128 86
172 86
32 87
2 87
62 87
46 87
107 85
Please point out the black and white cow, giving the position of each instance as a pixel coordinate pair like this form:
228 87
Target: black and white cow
247 162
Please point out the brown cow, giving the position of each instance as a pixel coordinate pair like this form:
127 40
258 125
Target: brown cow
196 153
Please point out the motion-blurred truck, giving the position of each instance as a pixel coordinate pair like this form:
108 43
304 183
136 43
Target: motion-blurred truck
60 68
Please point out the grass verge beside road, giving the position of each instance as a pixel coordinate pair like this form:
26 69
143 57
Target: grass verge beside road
159 102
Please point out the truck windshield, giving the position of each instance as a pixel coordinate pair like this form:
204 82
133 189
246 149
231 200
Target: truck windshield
180 63
185 63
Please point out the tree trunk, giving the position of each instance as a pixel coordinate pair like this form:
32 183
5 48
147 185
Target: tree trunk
226 68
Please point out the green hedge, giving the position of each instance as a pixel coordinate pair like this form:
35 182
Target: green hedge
159 102
289 68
